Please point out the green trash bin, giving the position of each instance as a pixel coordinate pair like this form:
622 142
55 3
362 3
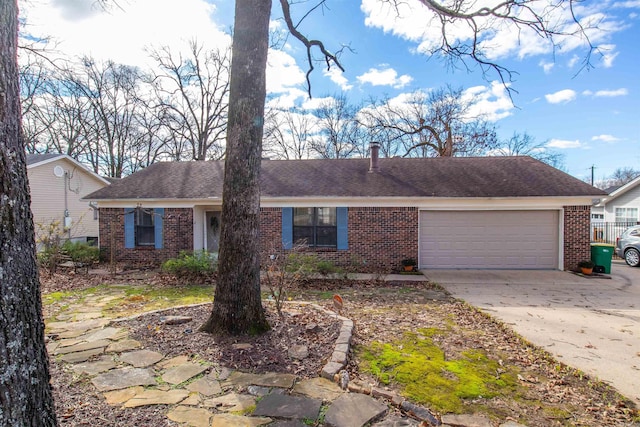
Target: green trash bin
601 255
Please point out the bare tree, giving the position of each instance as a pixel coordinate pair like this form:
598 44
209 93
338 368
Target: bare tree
523 144
237 308
288 133
25 391
194 91
340 135
618 178
437 123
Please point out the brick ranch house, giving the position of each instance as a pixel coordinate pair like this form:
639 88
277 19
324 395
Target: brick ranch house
461 212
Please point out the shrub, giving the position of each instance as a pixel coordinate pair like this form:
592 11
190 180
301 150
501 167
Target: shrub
198 265
81 252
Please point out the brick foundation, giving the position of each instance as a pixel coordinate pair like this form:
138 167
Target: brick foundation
576 235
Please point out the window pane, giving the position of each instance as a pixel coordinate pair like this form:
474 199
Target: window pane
145 235
326 216
303 235
144 217
303 216
326 236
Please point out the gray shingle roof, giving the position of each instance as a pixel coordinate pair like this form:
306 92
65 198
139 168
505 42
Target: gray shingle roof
397 177
37 158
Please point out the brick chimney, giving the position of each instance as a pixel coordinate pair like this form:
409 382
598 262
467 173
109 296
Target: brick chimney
374 147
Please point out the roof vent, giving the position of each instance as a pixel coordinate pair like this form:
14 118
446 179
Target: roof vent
374 147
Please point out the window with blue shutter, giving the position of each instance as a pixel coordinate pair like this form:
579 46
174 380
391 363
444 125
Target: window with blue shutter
315 227
158 219
143 227
129 228
287 228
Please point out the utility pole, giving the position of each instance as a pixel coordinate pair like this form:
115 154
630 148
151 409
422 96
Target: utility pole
593 168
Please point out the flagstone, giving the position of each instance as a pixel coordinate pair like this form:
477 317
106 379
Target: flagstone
81 356
319 388
104 364
193 417
156 397
116 379
206 386
51 346
70 341
285 406
123 345
174 361
181 373
85 325
108 333
354 409
118 397
193 399
229 420
88 315
270 379
82 347
141 358
232 402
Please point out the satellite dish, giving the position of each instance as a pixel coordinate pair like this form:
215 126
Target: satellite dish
58 171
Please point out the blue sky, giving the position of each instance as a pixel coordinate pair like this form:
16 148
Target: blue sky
592 117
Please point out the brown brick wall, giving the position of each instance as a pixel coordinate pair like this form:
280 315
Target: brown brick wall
576 235
379 238
177 236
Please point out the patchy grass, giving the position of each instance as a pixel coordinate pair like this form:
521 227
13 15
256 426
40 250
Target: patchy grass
138 299
425 375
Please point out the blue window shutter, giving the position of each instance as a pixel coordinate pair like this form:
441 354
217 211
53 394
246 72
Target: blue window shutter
287 228
342 215
129 228
158 220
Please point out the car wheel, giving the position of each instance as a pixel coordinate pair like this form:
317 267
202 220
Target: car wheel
632 257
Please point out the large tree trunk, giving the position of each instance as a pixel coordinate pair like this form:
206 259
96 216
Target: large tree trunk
237 307
25 393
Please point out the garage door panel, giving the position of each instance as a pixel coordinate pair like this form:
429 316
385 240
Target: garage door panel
489 239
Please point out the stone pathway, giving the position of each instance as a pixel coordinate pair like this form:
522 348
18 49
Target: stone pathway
200 394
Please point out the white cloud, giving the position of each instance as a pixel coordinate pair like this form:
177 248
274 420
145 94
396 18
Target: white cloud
121 34
608 54
562 143
498 38
490 103
385 77
605 138
612 93
283 72
561 96
337 76
546 66
573 61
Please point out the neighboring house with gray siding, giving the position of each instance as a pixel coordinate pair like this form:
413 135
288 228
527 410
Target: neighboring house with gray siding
461 212
57 185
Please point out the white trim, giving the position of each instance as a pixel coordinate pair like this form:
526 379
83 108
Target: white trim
72 160
618 192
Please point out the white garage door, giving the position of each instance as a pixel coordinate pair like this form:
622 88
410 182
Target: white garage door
489 239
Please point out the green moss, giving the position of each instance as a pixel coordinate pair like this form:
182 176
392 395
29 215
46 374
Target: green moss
426 376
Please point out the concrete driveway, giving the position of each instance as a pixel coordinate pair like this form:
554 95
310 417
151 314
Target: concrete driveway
592 324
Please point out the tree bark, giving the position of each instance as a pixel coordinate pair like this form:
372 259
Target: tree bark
25 392
237 307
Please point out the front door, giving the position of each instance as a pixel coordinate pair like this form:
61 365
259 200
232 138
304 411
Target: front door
212 230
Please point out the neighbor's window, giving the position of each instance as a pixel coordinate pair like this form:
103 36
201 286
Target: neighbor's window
145 230
315 227
626 214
